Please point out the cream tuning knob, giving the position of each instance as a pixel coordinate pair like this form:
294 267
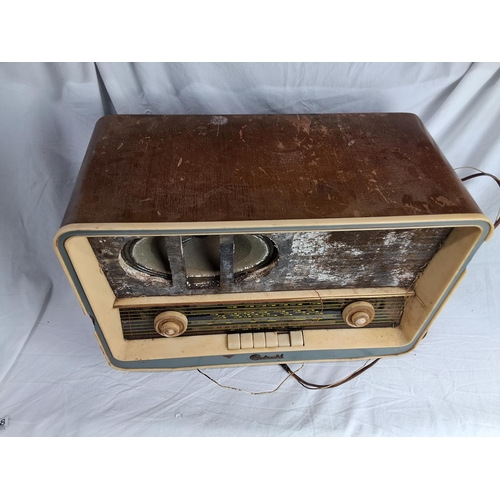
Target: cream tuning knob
358 314
171 324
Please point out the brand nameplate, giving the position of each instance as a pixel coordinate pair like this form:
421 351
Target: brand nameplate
258 357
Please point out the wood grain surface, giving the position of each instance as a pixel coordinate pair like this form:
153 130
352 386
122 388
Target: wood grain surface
262 167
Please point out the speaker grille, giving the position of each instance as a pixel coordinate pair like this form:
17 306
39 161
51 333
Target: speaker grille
138 323
307 261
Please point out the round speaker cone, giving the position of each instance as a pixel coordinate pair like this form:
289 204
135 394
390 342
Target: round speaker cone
201 255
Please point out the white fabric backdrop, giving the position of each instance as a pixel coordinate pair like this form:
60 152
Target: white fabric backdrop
53 377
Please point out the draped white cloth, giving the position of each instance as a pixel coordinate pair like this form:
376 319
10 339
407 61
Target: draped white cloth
53 377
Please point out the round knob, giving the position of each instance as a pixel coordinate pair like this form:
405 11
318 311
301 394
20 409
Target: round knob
171 324
358 314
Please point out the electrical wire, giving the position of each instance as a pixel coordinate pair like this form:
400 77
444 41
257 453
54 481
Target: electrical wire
301 381
480 174
316 387
290 374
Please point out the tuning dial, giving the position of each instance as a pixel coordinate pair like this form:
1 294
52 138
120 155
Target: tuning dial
358 314
171 324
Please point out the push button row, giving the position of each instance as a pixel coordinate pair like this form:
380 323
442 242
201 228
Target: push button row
260 340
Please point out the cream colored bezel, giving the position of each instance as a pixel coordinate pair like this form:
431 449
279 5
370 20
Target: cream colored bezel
427 297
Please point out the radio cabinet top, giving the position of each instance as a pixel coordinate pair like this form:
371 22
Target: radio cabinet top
152 169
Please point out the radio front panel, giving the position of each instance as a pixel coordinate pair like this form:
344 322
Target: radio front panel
234 327
198 241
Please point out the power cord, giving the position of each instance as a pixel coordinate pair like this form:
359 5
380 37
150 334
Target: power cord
480 174
316 387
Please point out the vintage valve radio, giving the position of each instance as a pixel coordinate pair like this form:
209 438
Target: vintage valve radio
196 241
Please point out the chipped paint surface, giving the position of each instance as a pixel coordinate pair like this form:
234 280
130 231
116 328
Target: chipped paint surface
147 279
302 123
305 244
218 120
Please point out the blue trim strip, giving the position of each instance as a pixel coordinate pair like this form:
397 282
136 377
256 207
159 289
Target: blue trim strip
289 357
